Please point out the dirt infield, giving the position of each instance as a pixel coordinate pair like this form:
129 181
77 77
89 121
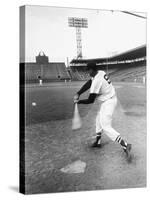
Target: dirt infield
50 144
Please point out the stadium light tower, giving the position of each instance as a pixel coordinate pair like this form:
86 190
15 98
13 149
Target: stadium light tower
78 23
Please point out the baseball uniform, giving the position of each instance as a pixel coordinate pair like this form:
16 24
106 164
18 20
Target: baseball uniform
105 91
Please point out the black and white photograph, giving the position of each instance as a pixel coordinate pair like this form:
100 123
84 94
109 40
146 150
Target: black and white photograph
83 80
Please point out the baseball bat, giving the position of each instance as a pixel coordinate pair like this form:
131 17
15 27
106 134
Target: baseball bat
76 121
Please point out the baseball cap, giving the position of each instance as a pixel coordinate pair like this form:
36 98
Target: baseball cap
91 66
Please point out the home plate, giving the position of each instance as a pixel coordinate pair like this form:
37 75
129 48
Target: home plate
75 167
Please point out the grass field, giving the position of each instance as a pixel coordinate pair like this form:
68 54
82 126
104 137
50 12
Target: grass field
50 144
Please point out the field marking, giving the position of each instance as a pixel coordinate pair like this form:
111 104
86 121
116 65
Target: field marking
139 86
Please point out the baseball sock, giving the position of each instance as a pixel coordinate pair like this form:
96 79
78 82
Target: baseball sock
121 141
98 137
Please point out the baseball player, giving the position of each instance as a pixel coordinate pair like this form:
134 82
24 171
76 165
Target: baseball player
40 80
102 90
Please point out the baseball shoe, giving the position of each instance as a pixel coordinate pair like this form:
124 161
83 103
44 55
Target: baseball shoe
96 143
127 150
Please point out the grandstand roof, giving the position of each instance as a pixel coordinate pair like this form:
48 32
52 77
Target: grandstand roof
138 52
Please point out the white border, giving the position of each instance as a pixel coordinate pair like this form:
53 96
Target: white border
9 84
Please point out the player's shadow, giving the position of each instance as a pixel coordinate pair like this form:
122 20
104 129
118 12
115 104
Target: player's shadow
14 188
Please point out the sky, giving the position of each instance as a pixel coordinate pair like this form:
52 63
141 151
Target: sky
108 33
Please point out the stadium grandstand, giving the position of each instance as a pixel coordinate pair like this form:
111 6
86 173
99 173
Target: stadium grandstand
127 66
47 71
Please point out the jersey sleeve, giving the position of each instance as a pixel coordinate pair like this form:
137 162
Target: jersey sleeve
96 86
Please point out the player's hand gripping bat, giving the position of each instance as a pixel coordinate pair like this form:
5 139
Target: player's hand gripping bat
76 121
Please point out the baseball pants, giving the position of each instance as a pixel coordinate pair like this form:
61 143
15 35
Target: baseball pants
104 118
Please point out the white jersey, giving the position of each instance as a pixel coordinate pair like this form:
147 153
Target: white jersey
102 86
